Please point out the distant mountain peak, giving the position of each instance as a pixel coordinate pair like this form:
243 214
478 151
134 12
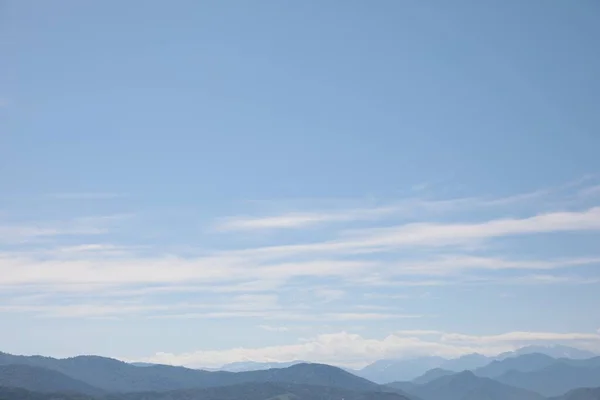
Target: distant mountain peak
431 375
552 350
465 373
240 366
464 376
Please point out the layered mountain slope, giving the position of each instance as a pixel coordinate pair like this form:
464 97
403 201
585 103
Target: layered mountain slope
39 379
115 376
465 386
554 380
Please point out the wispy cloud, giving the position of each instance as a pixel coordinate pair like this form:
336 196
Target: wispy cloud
42 305
321 259
406 207
539 279
26 231
270 328
299 220
438 235
386 296
519 337
395 256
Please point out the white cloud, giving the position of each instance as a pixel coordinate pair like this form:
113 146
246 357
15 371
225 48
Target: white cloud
21 270
135 276
457 264
348 261
264 306
406 207
519 337
15 233
386 296
87 248
288 221
49 305
146 276
288 315
347 316
270 328
418 332
438 235
353 350
299 220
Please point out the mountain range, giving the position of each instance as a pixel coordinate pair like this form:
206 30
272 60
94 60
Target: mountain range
534 373
522 376
110 375
580 394
465 386
42 380
247 391
257 366
388 370
384 371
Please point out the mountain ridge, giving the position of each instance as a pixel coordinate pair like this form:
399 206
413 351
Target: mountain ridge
112 375
393 370
554 380
43 380
466 386
248 391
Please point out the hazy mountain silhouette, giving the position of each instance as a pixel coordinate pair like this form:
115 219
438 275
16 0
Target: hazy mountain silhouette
554 380
384 371
116 376
15 393
588 362
580 394
143 364
247 391
113 375
555 351
391 370
515 378
522 363
42 380
432 375
256 366
262 391
466 386
406 387
469 361
312 374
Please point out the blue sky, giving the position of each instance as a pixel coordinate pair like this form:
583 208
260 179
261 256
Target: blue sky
204 182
